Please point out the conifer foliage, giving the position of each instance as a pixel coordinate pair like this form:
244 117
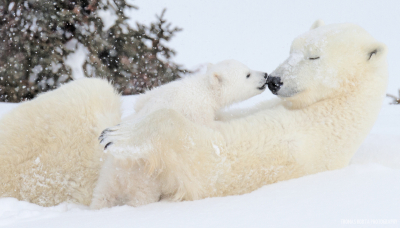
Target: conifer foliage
36 37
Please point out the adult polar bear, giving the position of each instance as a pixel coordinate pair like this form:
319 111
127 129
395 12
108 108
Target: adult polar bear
331 89
331 105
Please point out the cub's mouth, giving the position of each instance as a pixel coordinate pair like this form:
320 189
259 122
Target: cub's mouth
266 82
262 87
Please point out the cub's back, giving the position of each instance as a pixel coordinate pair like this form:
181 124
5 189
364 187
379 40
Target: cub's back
189 96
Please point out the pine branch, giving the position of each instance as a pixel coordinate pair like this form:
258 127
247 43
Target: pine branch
396 100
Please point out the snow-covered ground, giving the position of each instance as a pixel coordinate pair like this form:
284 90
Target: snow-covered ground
258 33
364 194
357 194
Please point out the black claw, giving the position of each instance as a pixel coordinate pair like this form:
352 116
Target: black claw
108 144
101 140
104 132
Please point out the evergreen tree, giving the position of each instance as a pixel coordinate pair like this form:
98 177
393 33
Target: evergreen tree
35 36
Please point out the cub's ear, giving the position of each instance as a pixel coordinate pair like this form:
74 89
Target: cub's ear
317 24
215 79
375 51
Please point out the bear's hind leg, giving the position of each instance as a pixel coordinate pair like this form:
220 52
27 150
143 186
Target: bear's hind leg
125 182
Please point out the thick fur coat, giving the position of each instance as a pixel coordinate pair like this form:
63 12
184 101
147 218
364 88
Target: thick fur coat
49 152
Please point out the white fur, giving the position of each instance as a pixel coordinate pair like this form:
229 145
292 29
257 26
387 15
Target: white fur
49 152
327 107
198 98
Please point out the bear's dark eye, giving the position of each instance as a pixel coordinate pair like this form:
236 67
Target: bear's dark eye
314 58
248 76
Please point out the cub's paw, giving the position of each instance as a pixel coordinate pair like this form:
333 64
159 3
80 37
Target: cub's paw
117 136
122 141
105 137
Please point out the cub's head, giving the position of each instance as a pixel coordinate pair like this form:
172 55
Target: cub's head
232 81
325 62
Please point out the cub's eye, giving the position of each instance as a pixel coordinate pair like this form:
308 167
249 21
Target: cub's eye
313 58
248 76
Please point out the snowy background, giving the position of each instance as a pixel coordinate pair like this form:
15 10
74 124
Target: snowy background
259 34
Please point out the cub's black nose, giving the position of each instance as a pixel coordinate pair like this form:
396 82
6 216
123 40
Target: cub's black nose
266 75
274 84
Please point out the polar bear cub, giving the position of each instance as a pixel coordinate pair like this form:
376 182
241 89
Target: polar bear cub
198 98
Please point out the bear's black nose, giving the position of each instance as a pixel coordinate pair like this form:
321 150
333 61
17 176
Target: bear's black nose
266 75
274 84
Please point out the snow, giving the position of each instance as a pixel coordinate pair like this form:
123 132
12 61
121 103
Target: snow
216 149
76 59
108 17
129 151
259 34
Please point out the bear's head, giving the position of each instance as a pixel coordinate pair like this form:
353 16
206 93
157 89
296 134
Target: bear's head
232 81
326 62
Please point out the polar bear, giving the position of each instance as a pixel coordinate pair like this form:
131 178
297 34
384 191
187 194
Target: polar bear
49 151
198 98
330 90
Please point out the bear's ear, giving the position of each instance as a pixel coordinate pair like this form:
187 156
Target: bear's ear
215 79
375 50
317 24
